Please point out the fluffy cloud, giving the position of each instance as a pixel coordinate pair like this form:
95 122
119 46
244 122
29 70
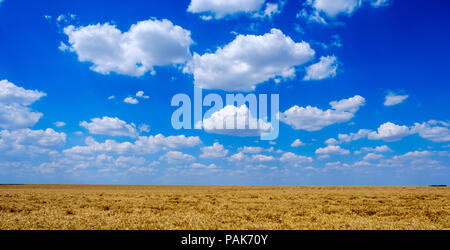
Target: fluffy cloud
27 141
145 45
389 132
393 99
320 10
176 157
16 116
12 94
143 145
112 126
14 100
351 104
436 131
362 133
249 60
331 141
325 68
238 157
333 8
294 158
215 151
130 100
220 8
332 149
313 119
238 121
262 158
297 143
27 137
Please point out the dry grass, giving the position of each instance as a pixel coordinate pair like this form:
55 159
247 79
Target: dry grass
223 207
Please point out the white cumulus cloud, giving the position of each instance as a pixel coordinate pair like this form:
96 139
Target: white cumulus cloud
325 68
297 143
215 151
145 45
436 131
249 60
238 121
332 149
389 132
313 119
294 158
143 145
176 157
130 100
111 126
14 100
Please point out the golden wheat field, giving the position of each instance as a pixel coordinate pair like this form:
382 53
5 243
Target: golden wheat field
223 207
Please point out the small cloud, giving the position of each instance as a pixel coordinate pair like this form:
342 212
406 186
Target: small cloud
111 97
297 143
60 124
131 100
325 68
140 94
63 47
144 128
206 17
392 99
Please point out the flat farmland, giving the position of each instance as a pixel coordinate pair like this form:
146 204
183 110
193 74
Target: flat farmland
222 207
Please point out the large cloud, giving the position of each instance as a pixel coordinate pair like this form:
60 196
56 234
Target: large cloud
222 8
313 119
237 121
14 100
249 60
147 44
110 126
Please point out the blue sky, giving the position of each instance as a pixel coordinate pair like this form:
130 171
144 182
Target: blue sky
86 90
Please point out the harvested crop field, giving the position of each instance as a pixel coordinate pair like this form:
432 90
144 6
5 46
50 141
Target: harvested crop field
222 207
